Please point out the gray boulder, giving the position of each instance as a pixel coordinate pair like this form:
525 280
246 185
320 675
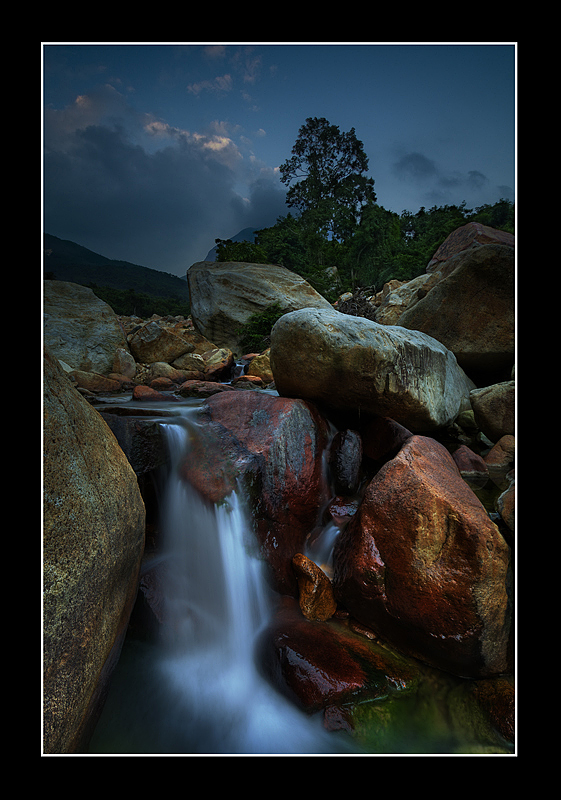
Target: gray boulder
352 363
472 310
225 294
79 328
93 541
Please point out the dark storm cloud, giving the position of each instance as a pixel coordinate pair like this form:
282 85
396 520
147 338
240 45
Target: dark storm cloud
131 187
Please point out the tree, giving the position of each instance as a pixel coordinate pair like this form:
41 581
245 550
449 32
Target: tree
329 169
227 250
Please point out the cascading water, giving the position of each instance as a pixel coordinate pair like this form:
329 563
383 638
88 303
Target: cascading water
206 693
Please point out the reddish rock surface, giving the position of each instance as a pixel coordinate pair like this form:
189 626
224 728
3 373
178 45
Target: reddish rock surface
322 664
276 447
316 599
471 235
422 564
471 465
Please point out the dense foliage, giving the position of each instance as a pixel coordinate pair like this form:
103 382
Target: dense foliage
383 245
128 302
254 335
339 237
227 250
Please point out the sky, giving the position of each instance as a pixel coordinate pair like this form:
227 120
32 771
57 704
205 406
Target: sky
151 151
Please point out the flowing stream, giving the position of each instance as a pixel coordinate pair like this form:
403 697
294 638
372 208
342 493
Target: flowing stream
199 690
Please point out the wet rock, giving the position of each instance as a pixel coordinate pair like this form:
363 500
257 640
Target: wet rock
472 466
345 461
500 461
148 394
202 388
506 503
314 587
383 438
322 665
275 446
422 564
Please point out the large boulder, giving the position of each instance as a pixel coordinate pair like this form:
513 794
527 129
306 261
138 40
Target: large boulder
423 565
352 363
494 409
79 328
93 540
154 342
397 299
274 447
323 665
474 234
225 294
471 311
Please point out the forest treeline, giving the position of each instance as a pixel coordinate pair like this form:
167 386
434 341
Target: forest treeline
384 245
339 237
336 234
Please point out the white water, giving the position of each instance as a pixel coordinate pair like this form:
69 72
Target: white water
217 602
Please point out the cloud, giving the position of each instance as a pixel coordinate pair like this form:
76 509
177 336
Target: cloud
222 83
131 187
415 166
432 183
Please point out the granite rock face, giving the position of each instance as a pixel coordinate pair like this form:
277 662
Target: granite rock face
93 540
423 565
352 363
79 328
225 294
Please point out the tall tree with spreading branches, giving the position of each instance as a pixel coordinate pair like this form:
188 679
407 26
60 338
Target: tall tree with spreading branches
328 175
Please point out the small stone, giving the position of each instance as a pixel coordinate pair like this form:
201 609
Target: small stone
147 393
316 595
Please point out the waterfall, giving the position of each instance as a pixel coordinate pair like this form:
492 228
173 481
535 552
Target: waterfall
217 602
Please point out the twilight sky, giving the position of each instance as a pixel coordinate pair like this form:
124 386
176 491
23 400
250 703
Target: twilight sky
152 151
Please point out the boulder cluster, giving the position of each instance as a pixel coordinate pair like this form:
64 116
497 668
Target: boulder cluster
391 428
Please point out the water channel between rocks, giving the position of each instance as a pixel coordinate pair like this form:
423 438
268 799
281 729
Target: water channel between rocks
195 688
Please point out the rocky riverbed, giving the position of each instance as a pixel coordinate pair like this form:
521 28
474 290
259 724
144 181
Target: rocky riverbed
398 438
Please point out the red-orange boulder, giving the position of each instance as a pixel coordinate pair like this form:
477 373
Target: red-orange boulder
275 447
422 564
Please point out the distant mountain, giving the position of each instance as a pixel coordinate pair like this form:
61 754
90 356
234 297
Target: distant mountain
247 235
67 261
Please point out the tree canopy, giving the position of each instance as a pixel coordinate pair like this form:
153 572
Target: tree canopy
338 237
328 168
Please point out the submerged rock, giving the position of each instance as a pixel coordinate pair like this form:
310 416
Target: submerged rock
324 664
